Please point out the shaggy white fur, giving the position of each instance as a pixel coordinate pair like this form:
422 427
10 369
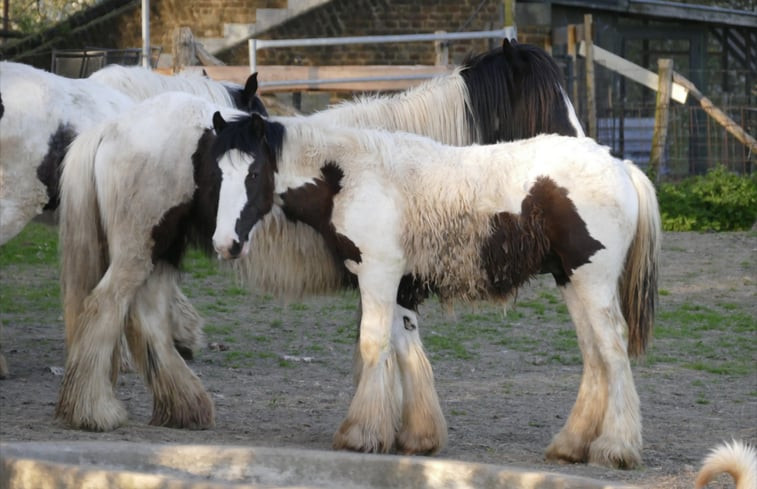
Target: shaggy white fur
736 458
415 206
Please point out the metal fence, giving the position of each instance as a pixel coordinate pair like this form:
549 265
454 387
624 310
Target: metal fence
695 142
256 44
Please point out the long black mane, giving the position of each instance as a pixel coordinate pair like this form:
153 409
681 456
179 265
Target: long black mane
515 93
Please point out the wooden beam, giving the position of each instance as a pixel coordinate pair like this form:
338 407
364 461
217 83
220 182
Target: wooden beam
279 73
721 117
632 71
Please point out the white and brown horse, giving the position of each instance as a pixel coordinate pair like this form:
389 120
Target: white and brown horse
513 91
465 223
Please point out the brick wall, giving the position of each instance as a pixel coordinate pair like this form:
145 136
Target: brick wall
379 17
204 17
335 18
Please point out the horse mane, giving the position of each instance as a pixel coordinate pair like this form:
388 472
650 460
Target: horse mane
141 83
508 93
437 108
516 92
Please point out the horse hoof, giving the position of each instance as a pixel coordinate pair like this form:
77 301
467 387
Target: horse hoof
110 415
190 414
569 448
614 453
412 444
351 436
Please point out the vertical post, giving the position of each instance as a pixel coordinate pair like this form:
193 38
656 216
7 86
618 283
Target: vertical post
146 33
183 48
573 64
441 47
252 48
661 117
591 105
509 13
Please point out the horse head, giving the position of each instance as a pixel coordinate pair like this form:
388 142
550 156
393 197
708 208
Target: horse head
245 150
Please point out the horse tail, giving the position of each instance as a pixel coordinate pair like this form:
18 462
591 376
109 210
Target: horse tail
638 284
82 243
735 458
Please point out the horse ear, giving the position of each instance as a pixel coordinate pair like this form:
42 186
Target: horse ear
508 46
251 85
218 122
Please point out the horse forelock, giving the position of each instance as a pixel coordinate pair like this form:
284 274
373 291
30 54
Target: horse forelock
517 94
240 135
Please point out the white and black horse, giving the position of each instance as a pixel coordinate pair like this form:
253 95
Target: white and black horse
466 223
494 96
41 113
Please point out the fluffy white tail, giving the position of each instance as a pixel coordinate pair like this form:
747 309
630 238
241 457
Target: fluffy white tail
736 458
82 243
638 285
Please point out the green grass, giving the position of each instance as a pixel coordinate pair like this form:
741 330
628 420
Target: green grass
37 244
716 339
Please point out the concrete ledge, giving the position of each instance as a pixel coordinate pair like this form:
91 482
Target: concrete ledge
92 465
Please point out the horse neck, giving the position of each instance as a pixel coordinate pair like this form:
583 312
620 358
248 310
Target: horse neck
437 109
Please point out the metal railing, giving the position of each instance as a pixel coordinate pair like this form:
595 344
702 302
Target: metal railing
256 44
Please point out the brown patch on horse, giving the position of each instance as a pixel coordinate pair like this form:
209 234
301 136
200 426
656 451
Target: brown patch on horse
566 231
313 203
548 236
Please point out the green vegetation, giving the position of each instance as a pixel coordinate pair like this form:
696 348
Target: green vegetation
714 339
717 201
37 244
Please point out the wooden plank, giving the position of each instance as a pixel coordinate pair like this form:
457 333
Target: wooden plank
721 117
661 117
632 71
281 73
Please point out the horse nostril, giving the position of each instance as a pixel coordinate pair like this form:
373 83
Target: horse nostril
236 249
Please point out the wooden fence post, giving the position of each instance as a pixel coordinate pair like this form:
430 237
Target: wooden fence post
591 105
572 41
661 117
183 49
442 51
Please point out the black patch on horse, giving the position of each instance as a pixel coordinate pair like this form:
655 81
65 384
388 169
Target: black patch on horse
413 291
194 221
515 94
48 171
313 204
2 107
547 237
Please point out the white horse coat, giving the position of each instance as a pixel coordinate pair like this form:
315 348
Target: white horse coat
469 223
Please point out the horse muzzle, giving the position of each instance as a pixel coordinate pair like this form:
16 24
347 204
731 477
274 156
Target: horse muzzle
231 249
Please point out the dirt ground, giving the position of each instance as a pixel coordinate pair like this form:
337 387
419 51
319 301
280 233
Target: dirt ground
280 373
